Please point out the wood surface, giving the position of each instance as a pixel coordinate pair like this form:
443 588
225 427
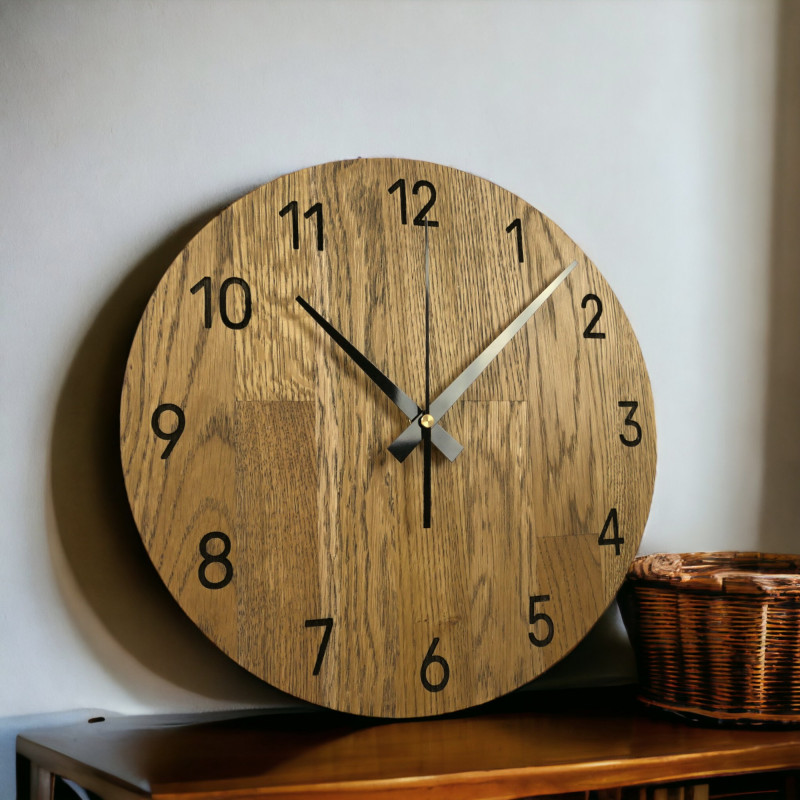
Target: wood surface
537 745
285 442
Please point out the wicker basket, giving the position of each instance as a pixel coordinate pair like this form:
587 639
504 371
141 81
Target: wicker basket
717 635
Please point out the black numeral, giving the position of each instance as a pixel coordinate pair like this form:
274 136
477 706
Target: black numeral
401 185
540 616
327 623
314 211
516 226
223 303
208 312
629 420
420 218
170 436
590 332
215 558
616 540
429 659
205 285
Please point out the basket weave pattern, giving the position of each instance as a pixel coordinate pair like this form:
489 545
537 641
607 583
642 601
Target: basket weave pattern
717 634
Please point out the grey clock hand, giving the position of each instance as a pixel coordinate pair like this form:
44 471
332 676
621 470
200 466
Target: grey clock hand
442 440
402 446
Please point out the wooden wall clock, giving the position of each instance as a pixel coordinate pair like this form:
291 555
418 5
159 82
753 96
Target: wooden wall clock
388 437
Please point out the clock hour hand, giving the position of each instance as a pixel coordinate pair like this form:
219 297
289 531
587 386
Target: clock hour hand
402 446
440 438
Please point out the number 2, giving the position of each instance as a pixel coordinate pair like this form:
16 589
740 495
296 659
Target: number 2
589 332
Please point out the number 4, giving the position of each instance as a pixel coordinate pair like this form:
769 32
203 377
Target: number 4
616 540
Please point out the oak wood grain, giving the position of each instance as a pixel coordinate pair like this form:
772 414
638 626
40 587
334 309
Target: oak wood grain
285 445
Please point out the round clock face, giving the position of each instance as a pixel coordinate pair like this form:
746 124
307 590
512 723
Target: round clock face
388 437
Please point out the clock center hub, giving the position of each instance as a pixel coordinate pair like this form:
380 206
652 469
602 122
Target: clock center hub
427 421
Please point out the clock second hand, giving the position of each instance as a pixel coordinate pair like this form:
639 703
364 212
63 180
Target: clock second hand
426 428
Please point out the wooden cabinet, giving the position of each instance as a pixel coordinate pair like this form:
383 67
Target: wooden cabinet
580 744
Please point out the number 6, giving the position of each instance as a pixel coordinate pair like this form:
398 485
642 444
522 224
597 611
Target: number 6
429 659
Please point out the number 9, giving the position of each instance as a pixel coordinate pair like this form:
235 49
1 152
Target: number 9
170 436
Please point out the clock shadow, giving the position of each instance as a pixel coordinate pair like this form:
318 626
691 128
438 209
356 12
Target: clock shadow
93 519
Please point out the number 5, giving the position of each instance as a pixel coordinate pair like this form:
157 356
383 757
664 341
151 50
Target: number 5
540 616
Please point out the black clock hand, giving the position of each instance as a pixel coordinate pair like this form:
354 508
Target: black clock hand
412 435
426 431
441 439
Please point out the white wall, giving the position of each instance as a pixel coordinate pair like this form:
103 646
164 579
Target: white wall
646 130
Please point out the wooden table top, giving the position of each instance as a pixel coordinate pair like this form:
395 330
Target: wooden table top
527 744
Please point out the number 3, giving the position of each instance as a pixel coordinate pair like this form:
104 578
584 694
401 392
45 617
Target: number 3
629 420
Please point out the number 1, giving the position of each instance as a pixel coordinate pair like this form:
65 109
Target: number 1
516 226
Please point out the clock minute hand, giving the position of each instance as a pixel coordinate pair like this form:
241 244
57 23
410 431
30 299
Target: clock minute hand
402 446
440 438
445 401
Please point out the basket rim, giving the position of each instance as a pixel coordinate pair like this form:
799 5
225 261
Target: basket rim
724 572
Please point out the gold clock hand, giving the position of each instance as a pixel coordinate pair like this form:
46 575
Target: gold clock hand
402 446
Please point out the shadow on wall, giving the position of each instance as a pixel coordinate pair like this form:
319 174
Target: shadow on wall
780 512
93 518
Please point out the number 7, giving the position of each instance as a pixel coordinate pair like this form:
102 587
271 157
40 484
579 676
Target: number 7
327 623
